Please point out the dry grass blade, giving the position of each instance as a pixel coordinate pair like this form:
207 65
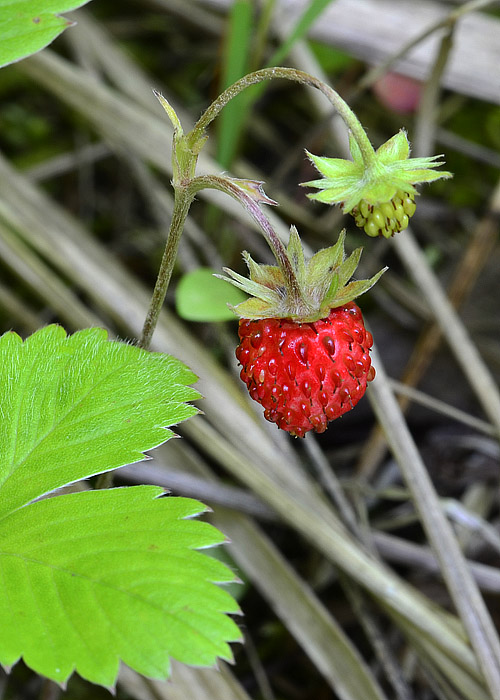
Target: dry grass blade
461 585
36 274
400 551
330 538
186 682
18 309
459 341
472 263
322 638
93 43
440 406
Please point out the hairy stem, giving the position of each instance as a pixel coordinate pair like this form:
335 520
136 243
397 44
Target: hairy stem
186 150
297 76
182 201
248 193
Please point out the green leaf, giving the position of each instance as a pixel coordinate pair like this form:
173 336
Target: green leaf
30 25
92 578
202 297
74 406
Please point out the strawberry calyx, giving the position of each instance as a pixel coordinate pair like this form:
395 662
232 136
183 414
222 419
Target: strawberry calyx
301 290
381 185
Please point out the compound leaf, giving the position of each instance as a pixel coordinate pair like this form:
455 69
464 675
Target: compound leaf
74 406
88 579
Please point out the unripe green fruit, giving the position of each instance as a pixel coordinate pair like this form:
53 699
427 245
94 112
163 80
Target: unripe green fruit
387 218
363 185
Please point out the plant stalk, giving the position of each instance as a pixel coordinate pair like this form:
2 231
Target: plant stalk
182 201
249 198
298 76
185 152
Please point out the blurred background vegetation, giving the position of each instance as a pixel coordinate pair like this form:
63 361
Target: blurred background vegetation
342 593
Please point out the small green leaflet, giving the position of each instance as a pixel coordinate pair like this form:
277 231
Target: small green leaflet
92 578
202 297
26 26
88 579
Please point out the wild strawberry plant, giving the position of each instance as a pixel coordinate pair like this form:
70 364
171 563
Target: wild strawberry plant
298 305
94 577
304 349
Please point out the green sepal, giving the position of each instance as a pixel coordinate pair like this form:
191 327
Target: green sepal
331 294
326 261
296 255
249 286
396 148
320 268
334 168
355 289
320 283
355 150
254 308
253 189
349 266
348 182
268 275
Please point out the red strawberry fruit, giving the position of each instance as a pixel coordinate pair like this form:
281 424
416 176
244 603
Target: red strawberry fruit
304 350
306 374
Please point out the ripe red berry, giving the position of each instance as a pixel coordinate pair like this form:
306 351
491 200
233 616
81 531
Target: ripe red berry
304 350
306 374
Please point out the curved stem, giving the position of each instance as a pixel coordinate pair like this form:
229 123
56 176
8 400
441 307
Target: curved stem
298 76
248 193
186 186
